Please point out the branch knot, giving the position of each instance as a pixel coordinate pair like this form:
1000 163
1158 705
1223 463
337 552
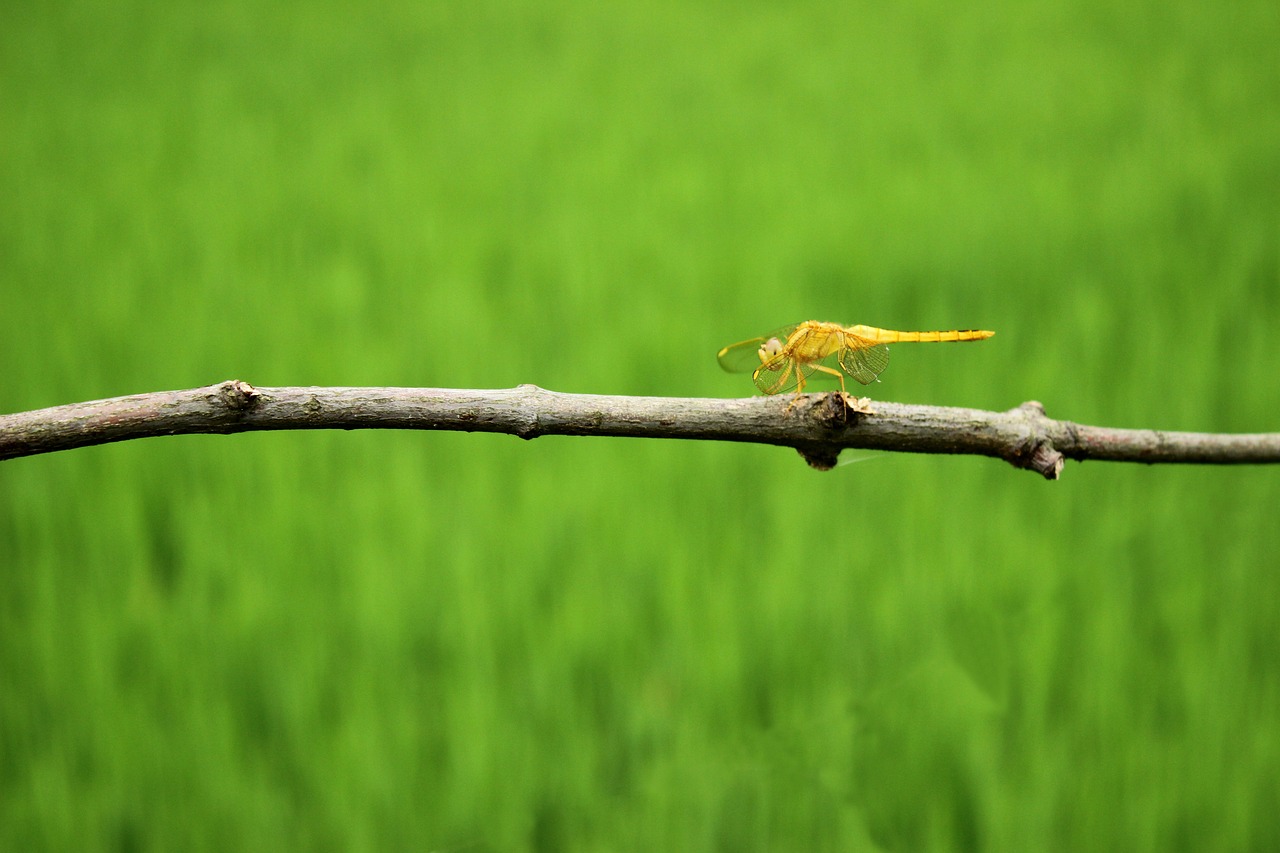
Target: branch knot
1038 453
238 395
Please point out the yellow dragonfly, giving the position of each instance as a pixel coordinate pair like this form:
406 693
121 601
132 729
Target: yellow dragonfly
784 360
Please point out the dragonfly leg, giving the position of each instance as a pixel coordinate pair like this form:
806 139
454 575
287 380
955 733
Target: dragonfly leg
799 391
837 374
844 395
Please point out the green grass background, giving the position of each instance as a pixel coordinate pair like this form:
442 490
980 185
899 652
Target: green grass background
382 640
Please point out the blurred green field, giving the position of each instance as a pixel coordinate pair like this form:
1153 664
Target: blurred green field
379 641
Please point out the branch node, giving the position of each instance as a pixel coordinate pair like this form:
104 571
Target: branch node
528 421
238 395
1038 453
834 412
820 457
838 410
529 428
1046 460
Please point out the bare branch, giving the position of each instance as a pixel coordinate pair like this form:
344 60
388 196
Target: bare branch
819 426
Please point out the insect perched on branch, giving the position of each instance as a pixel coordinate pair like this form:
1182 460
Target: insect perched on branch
784 360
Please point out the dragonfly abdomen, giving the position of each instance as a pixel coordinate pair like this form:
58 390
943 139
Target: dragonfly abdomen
889 336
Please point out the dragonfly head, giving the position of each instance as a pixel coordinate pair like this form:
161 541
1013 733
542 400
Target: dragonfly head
769 349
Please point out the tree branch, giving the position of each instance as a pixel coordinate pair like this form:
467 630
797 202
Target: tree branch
819 426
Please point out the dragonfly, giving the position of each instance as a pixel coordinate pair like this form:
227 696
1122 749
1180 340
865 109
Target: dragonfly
785 360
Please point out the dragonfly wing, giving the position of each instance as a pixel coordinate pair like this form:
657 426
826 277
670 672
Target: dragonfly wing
780 374
862 359
741 357
744 356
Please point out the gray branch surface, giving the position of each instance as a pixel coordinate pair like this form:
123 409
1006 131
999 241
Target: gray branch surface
819 426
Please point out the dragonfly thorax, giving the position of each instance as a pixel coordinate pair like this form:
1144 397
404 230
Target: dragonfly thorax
813 341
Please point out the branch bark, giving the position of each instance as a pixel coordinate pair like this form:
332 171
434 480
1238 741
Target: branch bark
819 426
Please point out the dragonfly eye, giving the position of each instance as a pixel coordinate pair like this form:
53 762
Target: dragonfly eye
769 349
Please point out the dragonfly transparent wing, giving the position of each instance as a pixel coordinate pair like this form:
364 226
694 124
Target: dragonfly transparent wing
780 374
744 356
863 359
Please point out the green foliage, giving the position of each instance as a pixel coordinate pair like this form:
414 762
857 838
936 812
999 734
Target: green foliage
466 642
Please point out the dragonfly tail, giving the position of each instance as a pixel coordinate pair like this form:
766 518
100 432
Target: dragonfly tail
889 336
